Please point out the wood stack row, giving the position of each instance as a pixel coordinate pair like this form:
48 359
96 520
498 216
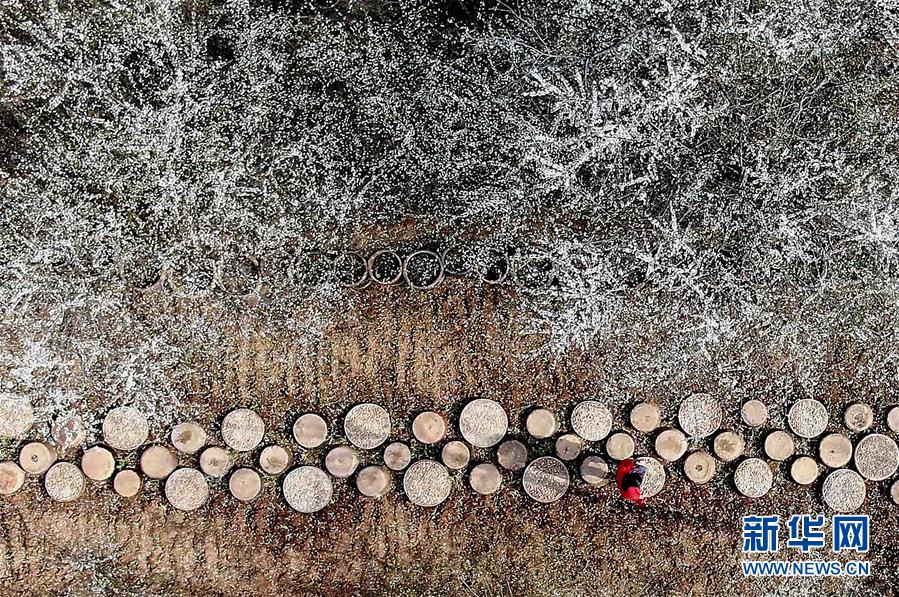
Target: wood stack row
429 477
234 272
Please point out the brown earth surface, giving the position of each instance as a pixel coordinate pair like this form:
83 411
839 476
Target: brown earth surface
412 351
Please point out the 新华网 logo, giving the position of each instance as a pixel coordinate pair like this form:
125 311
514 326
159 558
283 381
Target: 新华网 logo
761 534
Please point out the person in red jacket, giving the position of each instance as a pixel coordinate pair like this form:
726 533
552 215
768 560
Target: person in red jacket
630 476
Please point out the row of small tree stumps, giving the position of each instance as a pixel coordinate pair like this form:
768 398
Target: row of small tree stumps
238 274
428 482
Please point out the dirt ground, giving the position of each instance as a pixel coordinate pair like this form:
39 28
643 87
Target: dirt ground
410 351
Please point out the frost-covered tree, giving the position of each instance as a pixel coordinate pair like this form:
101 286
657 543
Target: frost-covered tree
718 176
